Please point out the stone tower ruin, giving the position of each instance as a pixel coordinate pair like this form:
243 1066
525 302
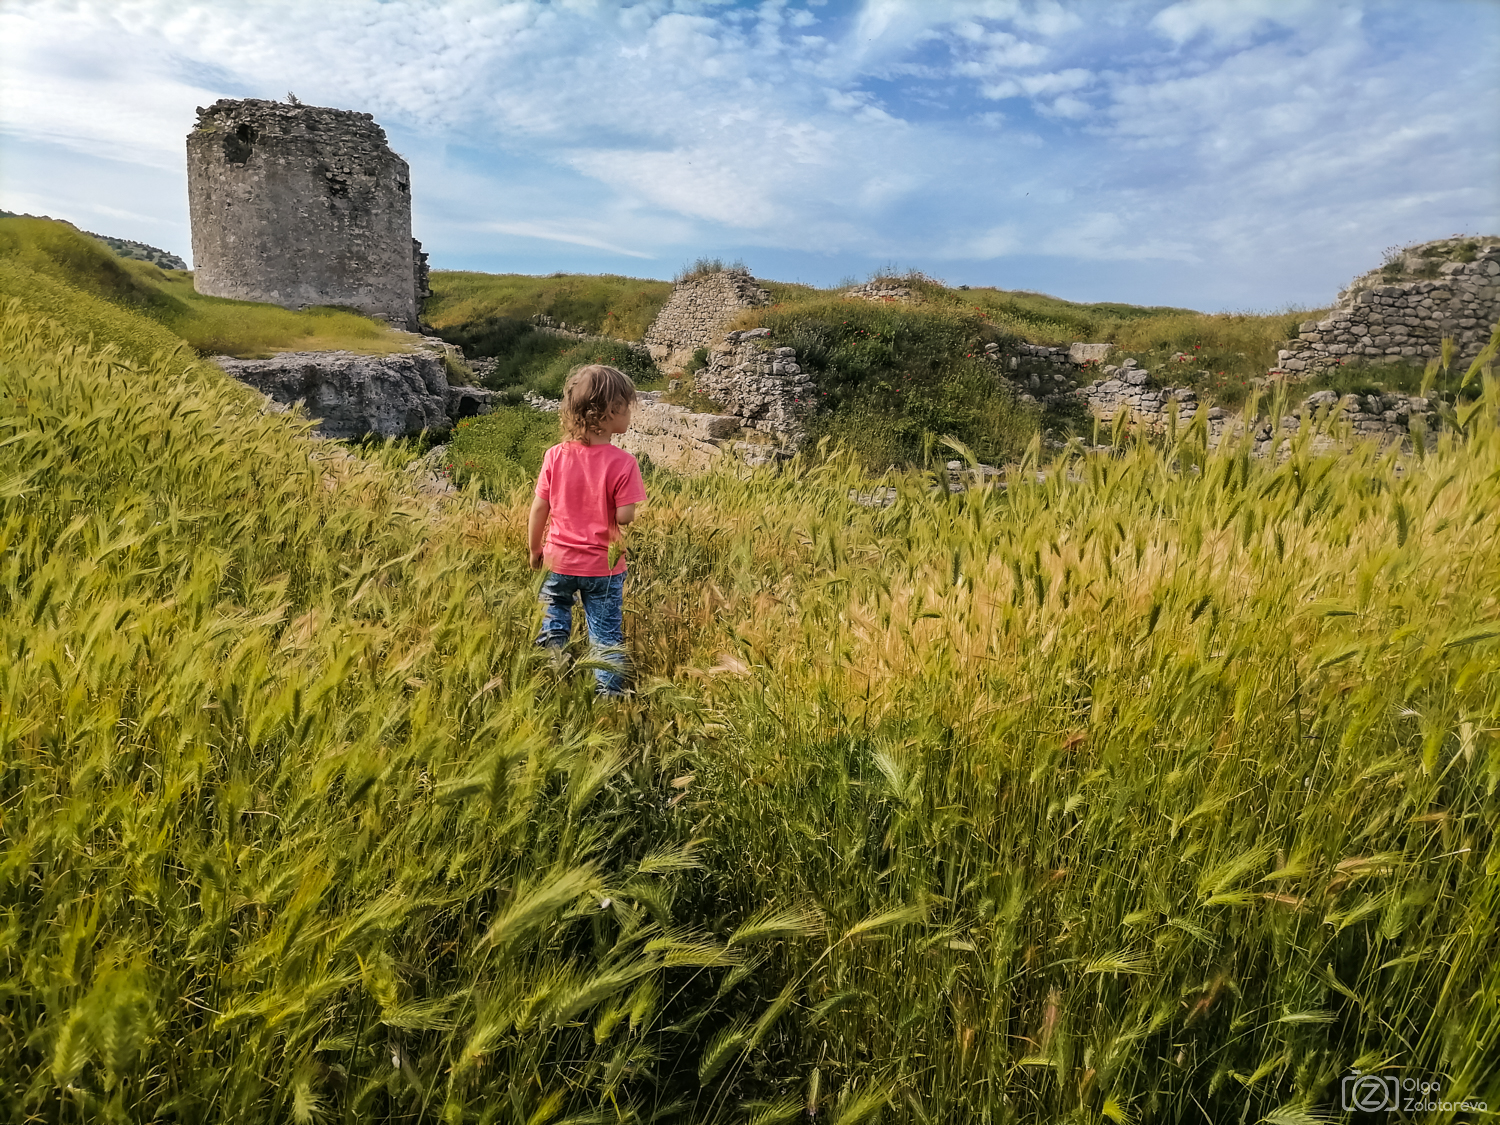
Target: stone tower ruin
298 205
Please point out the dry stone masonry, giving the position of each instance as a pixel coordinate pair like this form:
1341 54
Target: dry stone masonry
1128 388
881 289
1402 311
764 397
1042 374
762 385
300 205
696 314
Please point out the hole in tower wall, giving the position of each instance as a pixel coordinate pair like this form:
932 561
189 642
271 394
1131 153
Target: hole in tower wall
239 144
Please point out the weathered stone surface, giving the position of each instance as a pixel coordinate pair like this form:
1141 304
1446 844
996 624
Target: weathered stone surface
652 416
1386 316
881 289
762 386
1088 353
696 314
673 436
353 395
301 205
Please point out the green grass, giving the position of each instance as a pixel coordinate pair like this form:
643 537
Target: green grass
541 362
1163 790
1229 352
1404 378
483 304
58 271
249 329
705 267
894 375
503 449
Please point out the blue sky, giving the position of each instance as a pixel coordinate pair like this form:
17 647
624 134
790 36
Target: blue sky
1216 154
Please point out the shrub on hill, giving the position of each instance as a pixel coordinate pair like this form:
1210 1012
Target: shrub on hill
890 377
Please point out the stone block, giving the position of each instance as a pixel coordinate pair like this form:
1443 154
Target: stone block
673 451
1087 353
654 417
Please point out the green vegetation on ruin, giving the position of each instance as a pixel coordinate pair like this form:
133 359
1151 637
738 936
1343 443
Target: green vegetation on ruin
1165 789
900 374
1229 353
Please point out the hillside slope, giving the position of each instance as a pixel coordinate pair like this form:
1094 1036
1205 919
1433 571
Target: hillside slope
57 270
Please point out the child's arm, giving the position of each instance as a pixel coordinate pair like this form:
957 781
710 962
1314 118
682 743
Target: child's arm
536 526
624 514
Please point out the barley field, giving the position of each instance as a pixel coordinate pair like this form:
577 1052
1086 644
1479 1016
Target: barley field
1157 786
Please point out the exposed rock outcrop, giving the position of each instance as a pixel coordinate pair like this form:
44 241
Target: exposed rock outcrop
353 395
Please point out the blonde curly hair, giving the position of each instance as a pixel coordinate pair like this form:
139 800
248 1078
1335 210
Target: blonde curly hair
590 395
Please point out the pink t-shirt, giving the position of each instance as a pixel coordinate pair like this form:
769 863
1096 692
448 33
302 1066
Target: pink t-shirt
585 484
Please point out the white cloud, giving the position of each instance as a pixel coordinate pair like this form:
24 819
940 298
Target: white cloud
1168 132
996 242
557 232
1232 21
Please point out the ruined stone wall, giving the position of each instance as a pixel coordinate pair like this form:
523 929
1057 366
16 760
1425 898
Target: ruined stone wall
762 385
880 290
1401 312
421 274
696 314
300 205
1129 389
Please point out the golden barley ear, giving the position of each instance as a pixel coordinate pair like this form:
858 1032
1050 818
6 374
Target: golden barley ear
1429 376
1483 359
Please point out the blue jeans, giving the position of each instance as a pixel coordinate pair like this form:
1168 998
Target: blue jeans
603 610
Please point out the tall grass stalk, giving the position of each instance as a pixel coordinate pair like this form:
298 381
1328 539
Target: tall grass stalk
1159 788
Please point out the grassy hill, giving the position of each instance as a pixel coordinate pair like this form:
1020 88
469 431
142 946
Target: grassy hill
895 376
1163 790
124 247
57 270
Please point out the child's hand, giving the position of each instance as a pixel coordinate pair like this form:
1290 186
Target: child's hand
536 560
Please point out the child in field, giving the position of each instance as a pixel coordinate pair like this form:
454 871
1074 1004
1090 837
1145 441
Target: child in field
588 489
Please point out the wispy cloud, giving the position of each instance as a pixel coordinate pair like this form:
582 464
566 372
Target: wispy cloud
553 233
1175 136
